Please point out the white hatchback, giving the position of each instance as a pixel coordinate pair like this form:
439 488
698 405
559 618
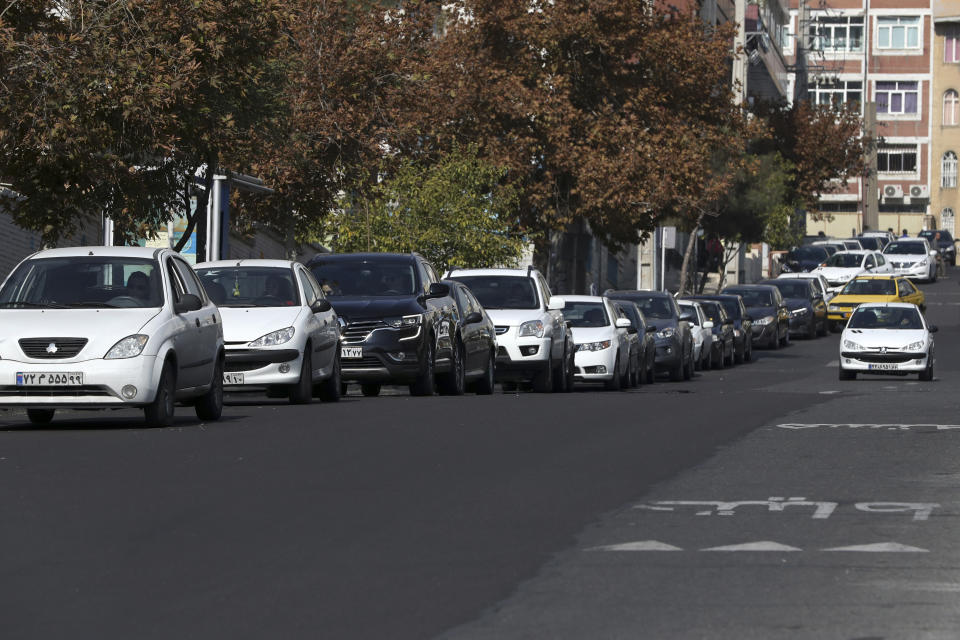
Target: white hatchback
843 266
280 330
108 327
891 338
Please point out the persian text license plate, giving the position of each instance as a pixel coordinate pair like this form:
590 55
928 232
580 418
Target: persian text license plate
884 366
230 377
351 352
41 379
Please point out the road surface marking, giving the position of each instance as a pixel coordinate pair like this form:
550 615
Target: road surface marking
764 545
822 509
881 547
866 425
642 545
833 363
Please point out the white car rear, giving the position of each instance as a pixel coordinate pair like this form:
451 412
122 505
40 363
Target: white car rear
890 338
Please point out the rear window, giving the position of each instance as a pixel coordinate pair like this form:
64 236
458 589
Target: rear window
366 277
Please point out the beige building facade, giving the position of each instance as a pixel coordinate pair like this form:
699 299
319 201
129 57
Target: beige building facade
945 146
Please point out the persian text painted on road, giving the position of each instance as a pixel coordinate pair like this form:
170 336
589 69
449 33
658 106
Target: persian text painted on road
877 426
819 510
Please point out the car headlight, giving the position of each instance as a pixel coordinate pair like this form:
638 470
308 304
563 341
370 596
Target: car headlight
666 333
594 346
129 347
273 338
764 321
736 333
405 321
923 263
834 307
796 313
914 346
532 328
850 345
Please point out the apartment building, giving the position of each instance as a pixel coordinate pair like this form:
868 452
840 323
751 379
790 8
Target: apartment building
879 51
945 145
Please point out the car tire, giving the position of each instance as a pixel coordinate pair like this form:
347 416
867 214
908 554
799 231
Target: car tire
718 362
40 416
561 376
775 341
452 383
688 367
331 389
301 392
370 389
210 405
731 360
616 382
484 386
847 375
425 384
927 374
748 350
652 372
543 380
159 413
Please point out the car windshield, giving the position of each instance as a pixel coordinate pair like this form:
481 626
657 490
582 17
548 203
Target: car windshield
84 281
713 312
365 277
852 244
654 307
793 288
845 260
886 318
870 287
502 292
905 248
930 235
250 286
869 242
808 253
585 314
690 310
754 297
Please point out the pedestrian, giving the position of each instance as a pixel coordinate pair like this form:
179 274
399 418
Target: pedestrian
904 234
941 265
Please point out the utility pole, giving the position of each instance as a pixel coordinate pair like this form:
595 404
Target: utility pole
740 52
871 201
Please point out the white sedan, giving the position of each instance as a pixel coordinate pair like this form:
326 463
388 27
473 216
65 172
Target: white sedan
843 266
701 328
109 327
889 338
913 258
280 330
601 338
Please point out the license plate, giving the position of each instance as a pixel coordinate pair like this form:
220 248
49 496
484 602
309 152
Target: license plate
351 352
232 378
884 366
43 379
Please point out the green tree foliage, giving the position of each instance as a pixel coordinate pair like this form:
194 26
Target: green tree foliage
760 203
459 211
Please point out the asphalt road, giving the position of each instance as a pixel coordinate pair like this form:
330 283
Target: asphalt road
764 501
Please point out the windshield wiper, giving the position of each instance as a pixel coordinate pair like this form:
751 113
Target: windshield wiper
35 305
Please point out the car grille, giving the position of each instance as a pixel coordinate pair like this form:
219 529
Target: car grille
845 305
65 347
355 332
902 265
13 391
235 367
883 357
502 330
361 363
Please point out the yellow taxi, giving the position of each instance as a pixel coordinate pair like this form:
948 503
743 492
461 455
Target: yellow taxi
871 289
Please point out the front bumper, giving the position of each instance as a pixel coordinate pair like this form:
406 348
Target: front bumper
261 366
889 363
917 270
668 354
521 358
801 324
102 383
595 366
764 332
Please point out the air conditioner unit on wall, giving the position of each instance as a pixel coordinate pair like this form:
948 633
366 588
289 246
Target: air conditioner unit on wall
892 191
919 191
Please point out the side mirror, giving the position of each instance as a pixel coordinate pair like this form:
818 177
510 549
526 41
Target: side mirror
473 317
933 253
651 328
438 290
708 324
932 328
556 304
623 323
321 305
189 302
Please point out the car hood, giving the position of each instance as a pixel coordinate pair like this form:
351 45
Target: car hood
904 257
102 328
247 324
889 338
761 312
591 334
861 298
835 273
797 303
513 317
353 308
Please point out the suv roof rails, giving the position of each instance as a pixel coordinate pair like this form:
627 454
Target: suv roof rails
529 269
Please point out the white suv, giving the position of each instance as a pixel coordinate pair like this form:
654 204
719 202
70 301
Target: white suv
534 343
109 327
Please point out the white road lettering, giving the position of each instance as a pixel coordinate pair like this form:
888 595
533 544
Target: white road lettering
821 509
867 426
921 510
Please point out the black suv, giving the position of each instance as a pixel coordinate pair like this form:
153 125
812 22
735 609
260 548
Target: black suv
945 245
396 320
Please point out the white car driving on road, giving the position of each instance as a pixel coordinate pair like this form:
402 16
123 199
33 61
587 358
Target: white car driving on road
600 332
891 338
843 266
109 327
279 328
913 258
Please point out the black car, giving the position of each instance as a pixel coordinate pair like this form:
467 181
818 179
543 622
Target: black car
806 258
723 348
645 347
397 320
946 247
742 323
771 320
673 337
874 243
474 343
808 311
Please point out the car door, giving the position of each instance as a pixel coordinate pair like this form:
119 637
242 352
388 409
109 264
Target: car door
556 319
316 324
909 293
817 301
193 357
883 265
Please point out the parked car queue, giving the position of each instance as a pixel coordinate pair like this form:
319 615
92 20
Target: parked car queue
108 327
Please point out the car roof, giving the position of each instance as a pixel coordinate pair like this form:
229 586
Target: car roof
452 273
859 252
713 296
900 305
74 252
247 262
362 256
748 287
880 276
805 275
579 298
645 293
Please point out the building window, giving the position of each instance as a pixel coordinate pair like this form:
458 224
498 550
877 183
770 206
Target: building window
898 32
951 108
836 33
948 170
836 92
897 97
897 158
951 44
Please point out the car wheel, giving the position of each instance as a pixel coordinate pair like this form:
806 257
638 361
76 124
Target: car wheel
718 360
652 372
484 386
210 404
561 375
748 350
40 416
543 380
301 392
159 413
616 382
425 384
688 367
847 375
331 389
729 360
452 382
370 389
775 342
927 374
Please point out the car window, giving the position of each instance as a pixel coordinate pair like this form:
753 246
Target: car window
845 260
369 278
655 307
502 292
905 248
906 287
902 318
870 287
870 263
250 286
755 297
581 314
178 288
310 296
188 279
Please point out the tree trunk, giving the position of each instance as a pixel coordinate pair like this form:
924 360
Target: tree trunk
728 255
684 269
